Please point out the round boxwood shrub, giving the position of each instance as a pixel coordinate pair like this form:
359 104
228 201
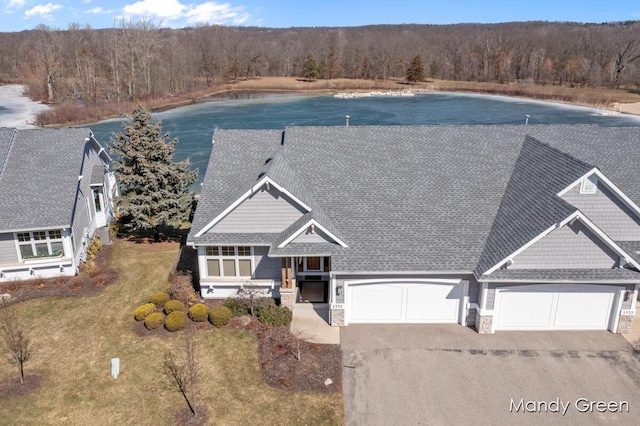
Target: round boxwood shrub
154 320
173 305
237 306
220 315
142 311
199 312
176 320
159 298
277 316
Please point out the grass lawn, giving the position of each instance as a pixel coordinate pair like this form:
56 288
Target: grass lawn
74 340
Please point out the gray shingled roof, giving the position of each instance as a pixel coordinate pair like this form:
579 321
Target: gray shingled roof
39 182
423 198
563 275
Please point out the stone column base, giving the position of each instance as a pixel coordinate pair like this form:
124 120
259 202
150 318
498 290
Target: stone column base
624 324
287 297
336 315
483 323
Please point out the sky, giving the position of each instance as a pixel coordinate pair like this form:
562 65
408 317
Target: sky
18 15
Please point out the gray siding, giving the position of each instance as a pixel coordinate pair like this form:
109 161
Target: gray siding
569 247
266 267
317 237
265 211
8 251
81 218
608 213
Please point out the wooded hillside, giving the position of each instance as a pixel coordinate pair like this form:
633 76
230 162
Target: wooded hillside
141 61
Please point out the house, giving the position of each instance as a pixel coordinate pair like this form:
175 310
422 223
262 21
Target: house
56 190
500 227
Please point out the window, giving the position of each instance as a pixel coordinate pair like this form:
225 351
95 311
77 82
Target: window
97 200
228 261
40 244
589 185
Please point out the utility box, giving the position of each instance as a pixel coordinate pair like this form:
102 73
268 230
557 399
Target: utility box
104 235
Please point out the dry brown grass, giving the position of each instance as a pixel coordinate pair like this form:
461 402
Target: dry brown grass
75 338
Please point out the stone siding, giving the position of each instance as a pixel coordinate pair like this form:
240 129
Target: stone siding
483 324
287 297
336 317
624 324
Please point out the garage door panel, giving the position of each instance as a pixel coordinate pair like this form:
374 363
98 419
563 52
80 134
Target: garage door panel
381 302
520 309
396 302
434 303
555 307
583 310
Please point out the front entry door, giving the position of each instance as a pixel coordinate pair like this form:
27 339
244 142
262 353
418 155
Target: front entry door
314 291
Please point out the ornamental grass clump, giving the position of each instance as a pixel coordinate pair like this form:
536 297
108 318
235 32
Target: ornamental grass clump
176 320
199 312
143 311
159 298
173 306
220 316
154 320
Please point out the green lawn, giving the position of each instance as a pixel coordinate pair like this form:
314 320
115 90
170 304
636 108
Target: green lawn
74 340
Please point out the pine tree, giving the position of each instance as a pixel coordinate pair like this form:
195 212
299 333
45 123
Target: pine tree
415 72
154 190
310 68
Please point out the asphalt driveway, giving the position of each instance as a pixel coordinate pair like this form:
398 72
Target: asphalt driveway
448 374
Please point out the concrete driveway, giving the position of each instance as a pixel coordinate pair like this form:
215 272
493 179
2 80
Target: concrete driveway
448 374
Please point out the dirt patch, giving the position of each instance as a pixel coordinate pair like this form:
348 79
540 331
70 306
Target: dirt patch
12 388
87 282
184 417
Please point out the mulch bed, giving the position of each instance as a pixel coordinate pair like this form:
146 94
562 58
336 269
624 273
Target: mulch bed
65 286
12 388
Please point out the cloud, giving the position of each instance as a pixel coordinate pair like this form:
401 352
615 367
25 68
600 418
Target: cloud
172 10
42 10
98 10
15 4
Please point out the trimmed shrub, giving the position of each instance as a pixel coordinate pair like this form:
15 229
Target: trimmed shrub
142 311
199 312
220 316
159 298
154 320
181 288
173 306
176 320
264 303
276 316
237 306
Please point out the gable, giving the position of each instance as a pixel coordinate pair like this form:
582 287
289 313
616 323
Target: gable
572 246
605 209
312 235
265 211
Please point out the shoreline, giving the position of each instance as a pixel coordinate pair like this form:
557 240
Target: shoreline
26 110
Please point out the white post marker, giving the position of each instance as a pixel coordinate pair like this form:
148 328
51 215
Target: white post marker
115 367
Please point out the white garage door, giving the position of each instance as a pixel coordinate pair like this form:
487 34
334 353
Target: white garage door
555 307
404 301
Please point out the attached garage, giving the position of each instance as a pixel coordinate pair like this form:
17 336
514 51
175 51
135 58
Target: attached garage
556 307
405 301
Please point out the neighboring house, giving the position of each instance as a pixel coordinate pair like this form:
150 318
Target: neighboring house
56 189
501 227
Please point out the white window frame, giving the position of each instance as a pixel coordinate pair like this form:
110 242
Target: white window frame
236 257
589 185
33 242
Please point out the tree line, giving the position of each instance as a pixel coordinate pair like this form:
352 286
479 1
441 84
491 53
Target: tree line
138 60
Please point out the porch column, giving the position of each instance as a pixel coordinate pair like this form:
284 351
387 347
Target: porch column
287 286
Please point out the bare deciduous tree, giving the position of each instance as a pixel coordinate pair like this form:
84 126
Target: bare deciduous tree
183 375
14 338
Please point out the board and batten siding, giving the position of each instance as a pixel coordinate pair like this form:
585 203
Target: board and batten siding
8 250
570 247
266 267
82 218
608 213
268 211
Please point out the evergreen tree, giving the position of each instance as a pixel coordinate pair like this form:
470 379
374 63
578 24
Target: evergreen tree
154 190
415 72
310 68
